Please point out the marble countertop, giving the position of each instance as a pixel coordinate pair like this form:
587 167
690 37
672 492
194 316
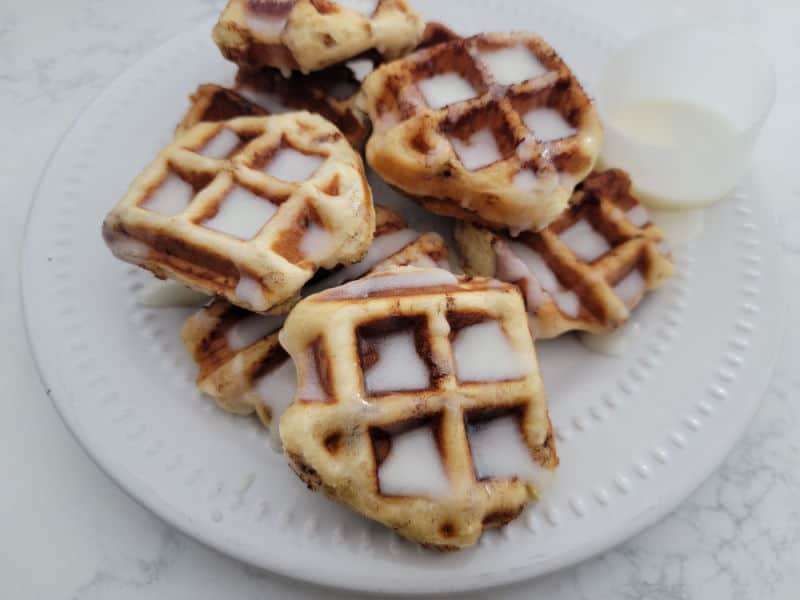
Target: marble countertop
69 532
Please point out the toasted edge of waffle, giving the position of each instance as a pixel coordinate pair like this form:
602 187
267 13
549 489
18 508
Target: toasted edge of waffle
338 434
212 103
514 179
231 375
309 35
266 271
569 282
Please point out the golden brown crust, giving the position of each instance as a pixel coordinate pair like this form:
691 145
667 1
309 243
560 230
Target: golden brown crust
363 424
604 200
309 35
250 272
412 143
230 375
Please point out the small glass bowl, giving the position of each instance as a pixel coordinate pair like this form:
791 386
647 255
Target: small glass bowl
682 109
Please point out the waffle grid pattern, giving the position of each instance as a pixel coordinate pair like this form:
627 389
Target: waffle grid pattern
269 269
605 202
332 444
231 375
412 144
309 35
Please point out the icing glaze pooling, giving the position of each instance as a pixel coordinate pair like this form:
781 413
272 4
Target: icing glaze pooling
365 7
267 25
630 288
251 329
584 241
445 89
170 197
276 390
125 246
241 214
499 451
406 278
512 65
547 124
399 366
482 352
537 266
525 179
316 241
382 248
478 151
543 285
221 145
250 292
290 165
413 466
312 384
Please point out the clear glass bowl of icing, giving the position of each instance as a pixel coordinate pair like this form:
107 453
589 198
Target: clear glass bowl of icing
682 109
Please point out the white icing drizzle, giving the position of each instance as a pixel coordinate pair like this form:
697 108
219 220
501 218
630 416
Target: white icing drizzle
537 266
413 466
265 25
405 278
398 368
316 241
290 165
499 451
547 124
483 352
512 65
519 262
126 247
269 102
242 214
630 288
423 261
638 216
252 329
478 151
382 248
586 243
221 145
312 384
249 291
365 7
525 179
445 89
276 390
170 197
167 293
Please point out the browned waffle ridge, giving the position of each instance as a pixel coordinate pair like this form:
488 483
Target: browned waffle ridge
530 177
567 289
240 362
344 427
309 35
171 219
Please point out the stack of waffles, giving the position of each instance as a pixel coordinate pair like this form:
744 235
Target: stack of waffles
392 384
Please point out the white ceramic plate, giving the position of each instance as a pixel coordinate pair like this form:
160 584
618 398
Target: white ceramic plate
636 434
